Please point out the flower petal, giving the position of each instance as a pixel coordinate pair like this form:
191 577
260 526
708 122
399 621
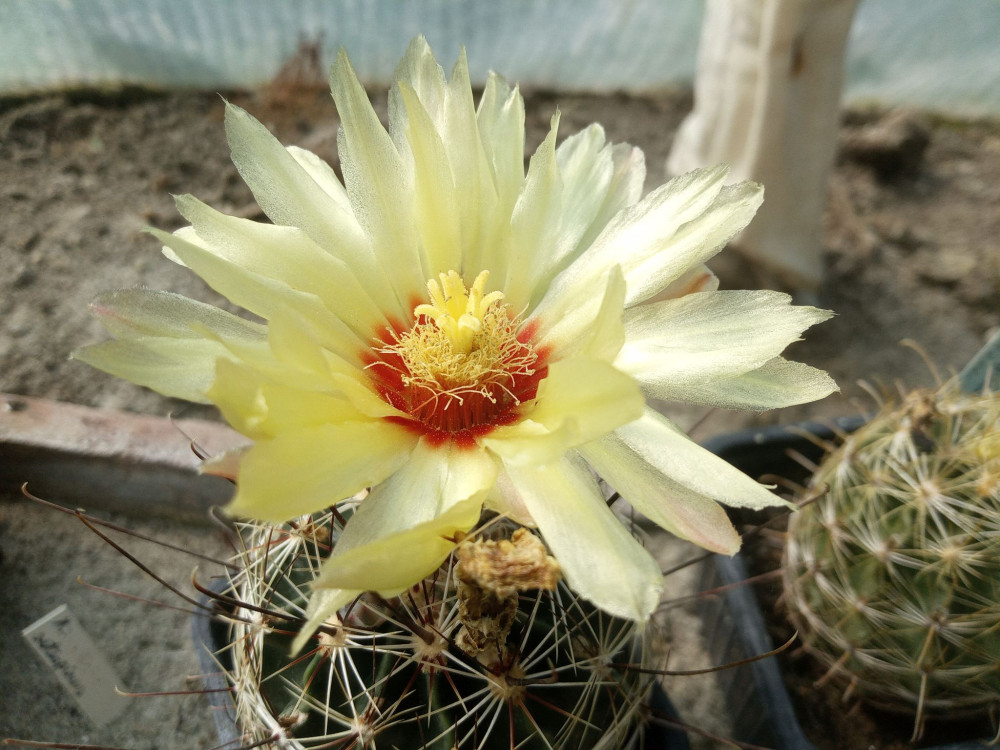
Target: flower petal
589 323
289 194
686 514
147 312
479 219
180 368
262 409
396 561
323 604
587 168
289 256
407 525
167 342
672 230
535 237
376 181
704 336
657 441
225 465
501 128
776 383
624 189
322 174
433 479
599 557
436 201
263 296
311 469
581 399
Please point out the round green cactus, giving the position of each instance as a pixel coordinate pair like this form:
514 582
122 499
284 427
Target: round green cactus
892 575
455 662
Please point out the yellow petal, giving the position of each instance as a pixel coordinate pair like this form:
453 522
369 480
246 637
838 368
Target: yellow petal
436 202
657 441
288 255
581 399
397 561
289 195
535 239
180 368
311 469
261 295
262 409
376 182
434 479
323 604
599 557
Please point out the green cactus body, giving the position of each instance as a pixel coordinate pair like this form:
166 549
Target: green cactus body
892 575
391 674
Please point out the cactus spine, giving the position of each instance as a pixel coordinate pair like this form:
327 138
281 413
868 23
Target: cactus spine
456 662
892 575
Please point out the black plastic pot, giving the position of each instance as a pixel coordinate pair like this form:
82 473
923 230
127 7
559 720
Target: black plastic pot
761 708
211 636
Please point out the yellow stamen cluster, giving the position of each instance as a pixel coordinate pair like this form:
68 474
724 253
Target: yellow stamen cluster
466 343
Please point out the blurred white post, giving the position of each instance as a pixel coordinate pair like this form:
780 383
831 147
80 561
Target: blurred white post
767 98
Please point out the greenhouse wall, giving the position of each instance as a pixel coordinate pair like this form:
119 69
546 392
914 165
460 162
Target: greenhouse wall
938 54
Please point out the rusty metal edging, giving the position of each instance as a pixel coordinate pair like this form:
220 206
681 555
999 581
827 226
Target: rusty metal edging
106 459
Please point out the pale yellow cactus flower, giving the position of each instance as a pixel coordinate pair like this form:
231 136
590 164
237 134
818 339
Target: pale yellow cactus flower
456 333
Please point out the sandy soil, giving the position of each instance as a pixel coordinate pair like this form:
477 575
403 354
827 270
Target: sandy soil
912 238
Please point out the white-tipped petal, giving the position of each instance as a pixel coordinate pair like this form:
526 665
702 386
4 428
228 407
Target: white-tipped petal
775 384
708 335
681 511
658 442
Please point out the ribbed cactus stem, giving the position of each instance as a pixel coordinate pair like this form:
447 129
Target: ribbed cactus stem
492 651
892 575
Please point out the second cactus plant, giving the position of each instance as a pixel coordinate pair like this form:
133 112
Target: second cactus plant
892 574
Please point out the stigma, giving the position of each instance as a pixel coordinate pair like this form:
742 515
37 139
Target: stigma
456 311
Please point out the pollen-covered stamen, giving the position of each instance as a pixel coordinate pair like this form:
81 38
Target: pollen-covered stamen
466 363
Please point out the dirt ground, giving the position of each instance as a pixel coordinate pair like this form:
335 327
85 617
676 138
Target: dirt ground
912 235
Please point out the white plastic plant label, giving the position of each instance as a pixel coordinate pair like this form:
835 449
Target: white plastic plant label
82 669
